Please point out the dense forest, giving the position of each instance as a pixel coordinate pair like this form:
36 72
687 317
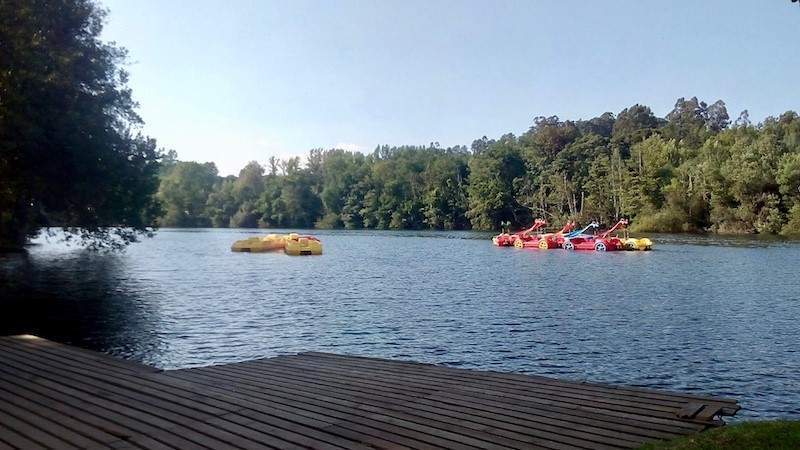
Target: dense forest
694 170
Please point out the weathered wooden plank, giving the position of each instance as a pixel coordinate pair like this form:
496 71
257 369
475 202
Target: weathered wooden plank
343 417
67 407
516 379
410 379
310 411
338 383
145 405
358 413
519 383
285 424
3 444
120 414
689 410
418 400
445 410
305 431
116 384
655 411
295 432
74 373
52 395
173 407
145 380
465 392
708 412
79 353
14 439
31 432
498 381
373 438
53 422
334 394
229 431
142 442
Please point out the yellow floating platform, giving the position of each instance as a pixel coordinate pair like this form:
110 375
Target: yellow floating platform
260 244
302 245
292 244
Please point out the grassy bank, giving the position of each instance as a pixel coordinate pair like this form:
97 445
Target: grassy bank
773 435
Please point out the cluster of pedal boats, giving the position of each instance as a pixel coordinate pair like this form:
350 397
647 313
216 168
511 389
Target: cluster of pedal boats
292 244
588 238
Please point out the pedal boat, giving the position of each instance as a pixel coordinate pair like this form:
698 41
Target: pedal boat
260 244
297 245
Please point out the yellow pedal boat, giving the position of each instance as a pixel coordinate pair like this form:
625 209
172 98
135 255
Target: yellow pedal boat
302 245
260 244
643 244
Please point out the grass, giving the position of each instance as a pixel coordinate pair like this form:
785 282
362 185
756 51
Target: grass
773 435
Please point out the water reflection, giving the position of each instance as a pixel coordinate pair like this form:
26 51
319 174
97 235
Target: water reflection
77 297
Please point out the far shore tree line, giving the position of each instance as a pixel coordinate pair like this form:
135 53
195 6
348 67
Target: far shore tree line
694 170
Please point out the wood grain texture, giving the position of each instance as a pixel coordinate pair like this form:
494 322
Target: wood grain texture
56 396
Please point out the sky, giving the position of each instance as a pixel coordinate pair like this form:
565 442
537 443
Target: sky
235 81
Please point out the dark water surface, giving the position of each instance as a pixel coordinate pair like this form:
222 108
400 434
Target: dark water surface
705 314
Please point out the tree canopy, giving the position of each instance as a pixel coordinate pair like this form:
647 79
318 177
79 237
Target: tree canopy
692 170
70 153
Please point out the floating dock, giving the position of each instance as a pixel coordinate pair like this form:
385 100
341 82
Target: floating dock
62 397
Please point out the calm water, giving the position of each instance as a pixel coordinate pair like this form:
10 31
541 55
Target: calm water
712 315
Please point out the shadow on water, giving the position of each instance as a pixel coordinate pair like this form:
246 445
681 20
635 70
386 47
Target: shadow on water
77 297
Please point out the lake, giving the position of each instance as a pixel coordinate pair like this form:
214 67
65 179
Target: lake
712 315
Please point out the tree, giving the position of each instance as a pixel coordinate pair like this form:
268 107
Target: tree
250 183
445 199
692 173
602 125
184 192
633 124
743 120
788 177
221 205
491 190
70 154
549 135
692 121
716 117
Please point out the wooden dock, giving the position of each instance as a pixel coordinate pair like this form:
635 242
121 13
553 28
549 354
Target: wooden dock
61 397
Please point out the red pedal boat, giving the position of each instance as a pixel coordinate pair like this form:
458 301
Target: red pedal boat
601 243
508 240
545 241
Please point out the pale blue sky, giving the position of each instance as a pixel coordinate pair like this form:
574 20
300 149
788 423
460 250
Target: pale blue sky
234 81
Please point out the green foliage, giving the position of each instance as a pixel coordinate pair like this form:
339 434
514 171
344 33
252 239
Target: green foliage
633 125
221 204
184 190
689 172
792 227
69 152
496 176
767 435
788 177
